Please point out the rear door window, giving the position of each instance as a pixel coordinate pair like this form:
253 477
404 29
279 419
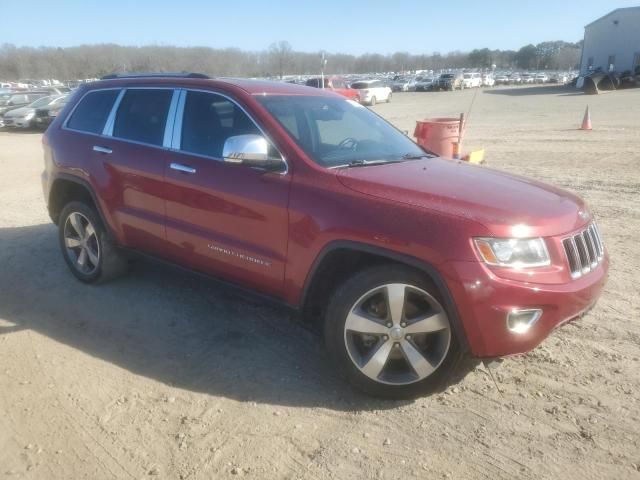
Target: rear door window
209 120
91 113
142 115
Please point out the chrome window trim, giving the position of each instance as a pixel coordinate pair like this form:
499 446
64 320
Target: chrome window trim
171 119
108 126
70 114
177 124
177 131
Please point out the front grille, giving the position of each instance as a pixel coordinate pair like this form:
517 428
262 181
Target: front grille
584 250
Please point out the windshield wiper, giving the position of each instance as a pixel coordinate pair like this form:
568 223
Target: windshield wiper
365 163
417 156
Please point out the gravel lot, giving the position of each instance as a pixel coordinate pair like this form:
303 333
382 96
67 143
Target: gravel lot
165 375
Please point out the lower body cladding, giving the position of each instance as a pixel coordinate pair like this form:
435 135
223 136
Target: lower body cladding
502 317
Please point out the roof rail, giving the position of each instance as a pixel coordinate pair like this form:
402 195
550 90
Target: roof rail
155 75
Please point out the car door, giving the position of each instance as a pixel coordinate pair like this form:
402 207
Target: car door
133 154
224 219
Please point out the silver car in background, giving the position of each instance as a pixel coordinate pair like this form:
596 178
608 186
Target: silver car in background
23 117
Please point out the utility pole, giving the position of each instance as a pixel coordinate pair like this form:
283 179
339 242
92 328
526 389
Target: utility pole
323 63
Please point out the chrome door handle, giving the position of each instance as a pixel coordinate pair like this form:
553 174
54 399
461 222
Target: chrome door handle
99 149
182 168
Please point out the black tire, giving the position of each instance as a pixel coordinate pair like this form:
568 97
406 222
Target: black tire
111 262
456 364
373 101
389 98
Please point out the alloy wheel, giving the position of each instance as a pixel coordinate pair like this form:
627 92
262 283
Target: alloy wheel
81 243
397 334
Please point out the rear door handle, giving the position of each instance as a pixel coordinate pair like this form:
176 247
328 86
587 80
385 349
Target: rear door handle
99 149
182 168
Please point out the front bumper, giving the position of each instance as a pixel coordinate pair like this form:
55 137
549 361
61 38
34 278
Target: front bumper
17 122
484 300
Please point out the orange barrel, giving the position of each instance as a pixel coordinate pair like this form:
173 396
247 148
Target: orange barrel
438 135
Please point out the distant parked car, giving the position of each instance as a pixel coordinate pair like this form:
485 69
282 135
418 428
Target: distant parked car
560 78
17 100
528 78
334 84
541 78
23 117
471 80
488 80
425 84
372 91
45 115
515 79
449 81
402 84
502 79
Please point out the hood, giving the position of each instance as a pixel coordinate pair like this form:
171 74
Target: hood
497 200
19 112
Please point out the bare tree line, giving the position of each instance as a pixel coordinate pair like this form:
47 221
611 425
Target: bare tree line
88 61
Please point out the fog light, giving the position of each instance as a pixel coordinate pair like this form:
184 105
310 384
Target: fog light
520 321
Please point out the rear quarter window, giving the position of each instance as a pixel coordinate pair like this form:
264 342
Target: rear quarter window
91 113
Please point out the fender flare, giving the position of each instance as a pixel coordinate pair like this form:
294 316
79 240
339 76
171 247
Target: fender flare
89 188
429 270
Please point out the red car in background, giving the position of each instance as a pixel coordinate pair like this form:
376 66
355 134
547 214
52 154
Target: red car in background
335 84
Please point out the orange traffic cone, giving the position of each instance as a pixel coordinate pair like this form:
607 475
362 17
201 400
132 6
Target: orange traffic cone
586 121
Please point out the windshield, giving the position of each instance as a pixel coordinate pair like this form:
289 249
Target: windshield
18 99
335 132
361 85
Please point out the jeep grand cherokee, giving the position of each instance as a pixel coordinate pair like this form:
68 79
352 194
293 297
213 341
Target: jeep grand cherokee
414 266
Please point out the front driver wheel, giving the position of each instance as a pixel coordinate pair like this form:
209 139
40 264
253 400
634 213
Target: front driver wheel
388 331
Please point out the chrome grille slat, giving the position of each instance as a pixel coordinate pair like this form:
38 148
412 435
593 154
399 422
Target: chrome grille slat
584 251
591 245
591 251
596 230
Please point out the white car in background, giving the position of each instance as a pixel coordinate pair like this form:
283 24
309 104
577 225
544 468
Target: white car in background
528 78
541 78
372 91
501 79
472 80
488 81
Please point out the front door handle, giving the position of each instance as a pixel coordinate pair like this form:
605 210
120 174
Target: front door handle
99 149
182 168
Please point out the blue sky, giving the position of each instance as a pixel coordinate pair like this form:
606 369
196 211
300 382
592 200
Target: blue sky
344 26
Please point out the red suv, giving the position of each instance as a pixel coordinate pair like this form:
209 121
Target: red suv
415 267
335 84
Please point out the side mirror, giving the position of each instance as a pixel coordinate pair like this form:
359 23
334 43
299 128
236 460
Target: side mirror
251 150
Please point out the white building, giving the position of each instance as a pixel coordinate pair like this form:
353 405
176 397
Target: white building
612 42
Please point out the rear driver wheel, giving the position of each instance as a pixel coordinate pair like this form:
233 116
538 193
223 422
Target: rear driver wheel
87 249
387 330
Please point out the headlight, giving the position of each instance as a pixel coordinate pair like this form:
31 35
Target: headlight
29 115
513 252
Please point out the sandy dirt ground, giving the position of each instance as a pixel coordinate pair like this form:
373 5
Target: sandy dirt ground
165 375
